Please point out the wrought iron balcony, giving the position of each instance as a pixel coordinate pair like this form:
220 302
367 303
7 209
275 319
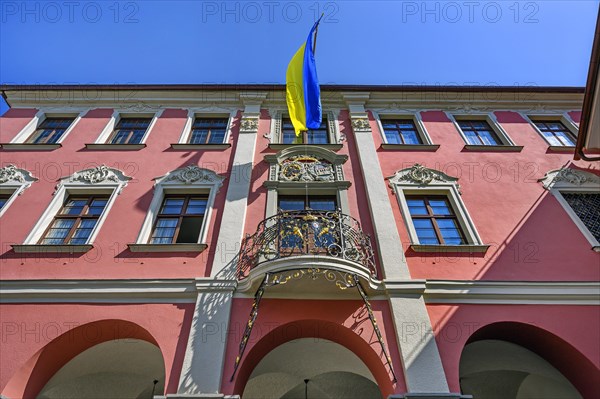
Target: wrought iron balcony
306 232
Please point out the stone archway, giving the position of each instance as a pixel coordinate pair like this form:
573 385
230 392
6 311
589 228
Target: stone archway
333 371
76 351
366 362
517 360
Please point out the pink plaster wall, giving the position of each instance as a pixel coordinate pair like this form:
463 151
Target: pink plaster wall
531 236
292 317
111 257
27 328
577 326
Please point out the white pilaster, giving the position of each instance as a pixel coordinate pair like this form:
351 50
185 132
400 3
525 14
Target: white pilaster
423 371
205 354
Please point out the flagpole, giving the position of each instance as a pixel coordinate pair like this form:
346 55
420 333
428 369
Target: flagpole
316 33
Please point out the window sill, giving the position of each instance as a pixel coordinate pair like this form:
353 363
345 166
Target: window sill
29 147
493 148
187 146
332 147
560 148
167 247
410 147
51 249
470 248
115 147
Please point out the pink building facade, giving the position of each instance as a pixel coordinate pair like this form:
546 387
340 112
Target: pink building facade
181 240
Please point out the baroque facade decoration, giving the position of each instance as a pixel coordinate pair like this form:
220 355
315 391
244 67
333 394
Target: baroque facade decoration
306 168
192 174
96 176
569 176
11 175
419 174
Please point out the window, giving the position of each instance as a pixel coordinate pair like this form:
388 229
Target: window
316 237
130 130
209 131
587 207
4 199
555 133
180 219
432 208
50 130
75 221
401 131
298 203
478 132
314 136
434 220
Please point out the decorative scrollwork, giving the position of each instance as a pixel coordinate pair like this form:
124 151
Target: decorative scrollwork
99 174
12 174
419 174
306 232
249 124
569 176
360 124
306 168
193 173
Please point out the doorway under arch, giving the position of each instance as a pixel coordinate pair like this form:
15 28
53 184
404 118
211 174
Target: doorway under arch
332 370
124 368
514 360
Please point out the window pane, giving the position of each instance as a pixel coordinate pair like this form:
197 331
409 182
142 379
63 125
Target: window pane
172 206
472 138
324 204
291 204
417 207
393 137
164 231
450 231
565 139
199 136
552 140
317 137
587 207
196 206
189 231
74 206
3 200
487 137
83 231
439 207
410 137
425 231
58 231
97 206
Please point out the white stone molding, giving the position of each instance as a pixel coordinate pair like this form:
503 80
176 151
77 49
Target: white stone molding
488 117
14 181
98 180
569 180
207 112
110 126
421 180
190 179
42 115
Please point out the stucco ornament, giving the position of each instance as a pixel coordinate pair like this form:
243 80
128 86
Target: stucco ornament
306 168
99 175
193 174
360 124
96 175
568 176
249 124
11 175
419 174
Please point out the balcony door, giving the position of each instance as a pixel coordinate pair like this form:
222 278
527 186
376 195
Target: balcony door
304 231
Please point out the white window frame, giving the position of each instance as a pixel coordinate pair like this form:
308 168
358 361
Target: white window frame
568 180
41 116
117 115
414 116
488 117
13 182
333 127
418 180
93 181
562 117
190 179
186 133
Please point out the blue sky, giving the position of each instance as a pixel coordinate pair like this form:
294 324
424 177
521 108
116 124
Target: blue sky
360 42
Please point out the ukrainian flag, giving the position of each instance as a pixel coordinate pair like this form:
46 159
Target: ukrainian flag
303 95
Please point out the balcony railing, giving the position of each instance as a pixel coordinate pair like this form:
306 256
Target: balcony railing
306 232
